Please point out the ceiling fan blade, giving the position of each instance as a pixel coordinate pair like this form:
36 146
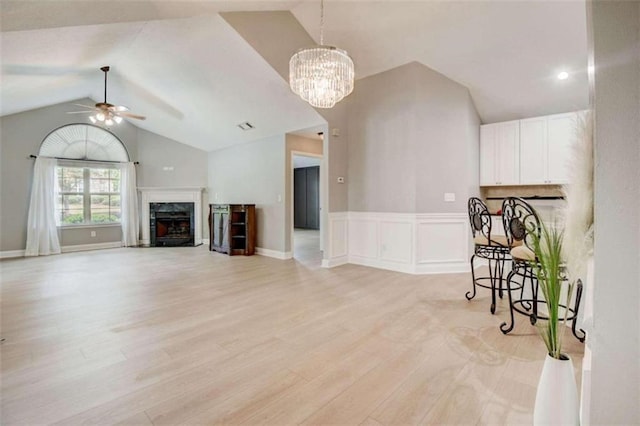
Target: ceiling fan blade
85 106
129 115
79 112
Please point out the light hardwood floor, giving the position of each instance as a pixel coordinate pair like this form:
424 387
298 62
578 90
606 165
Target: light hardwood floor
182 335
306 246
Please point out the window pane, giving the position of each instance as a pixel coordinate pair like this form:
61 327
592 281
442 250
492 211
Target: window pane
115 201
99 173
71 179
115 185
71 209
104 216
99 185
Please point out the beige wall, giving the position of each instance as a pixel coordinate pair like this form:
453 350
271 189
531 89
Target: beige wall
615 337
299 144
22 135
253 173
413 135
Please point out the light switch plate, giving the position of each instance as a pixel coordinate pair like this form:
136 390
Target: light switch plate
449 197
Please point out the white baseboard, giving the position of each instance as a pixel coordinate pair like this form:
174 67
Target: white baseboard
282 255
336 261
87 247
9 254
66 249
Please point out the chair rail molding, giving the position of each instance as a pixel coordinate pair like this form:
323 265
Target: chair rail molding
414 243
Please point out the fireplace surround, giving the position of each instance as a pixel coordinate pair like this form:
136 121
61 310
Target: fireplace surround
159 195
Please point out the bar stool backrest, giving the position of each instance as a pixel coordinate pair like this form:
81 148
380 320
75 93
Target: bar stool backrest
479 218
518 217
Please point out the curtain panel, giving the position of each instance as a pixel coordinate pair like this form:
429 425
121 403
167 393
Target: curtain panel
129 219
42 230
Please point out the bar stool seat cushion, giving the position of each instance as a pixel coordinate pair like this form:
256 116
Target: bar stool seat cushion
496 240
523 253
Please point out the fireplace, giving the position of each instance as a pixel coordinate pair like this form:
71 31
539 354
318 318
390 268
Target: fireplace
171 224
168 195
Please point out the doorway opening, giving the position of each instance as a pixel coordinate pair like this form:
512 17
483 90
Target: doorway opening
307 207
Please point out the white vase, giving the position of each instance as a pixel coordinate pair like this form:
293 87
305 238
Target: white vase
557 396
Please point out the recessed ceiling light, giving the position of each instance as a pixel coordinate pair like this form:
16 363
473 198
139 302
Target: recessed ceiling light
563 75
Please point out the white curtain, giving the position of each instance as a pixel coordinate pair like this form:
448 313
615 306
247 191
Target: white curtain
129 205
42 232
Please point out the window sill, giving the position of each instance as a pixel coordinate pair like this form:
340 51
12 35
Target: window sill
89 225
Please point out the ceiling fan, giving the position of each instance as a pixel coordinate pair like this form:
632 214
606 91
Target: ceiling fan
105 112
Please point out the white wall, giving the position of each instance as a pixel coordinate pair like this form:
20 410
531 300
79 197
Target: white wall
253 173
615 338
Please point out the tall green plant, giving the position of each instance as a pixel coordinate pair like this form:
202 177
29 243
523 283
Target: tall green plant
549 268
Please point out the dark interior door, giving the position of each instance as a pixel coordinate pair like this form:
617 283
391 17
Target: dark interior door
306 197
313 197
299 198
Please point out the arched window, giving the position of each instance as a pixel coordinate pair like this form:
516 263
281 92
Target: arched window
87 173
83 142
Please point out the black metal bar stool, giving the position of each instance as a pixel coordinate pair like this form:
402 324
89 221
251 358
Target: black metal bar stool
493 248
518 217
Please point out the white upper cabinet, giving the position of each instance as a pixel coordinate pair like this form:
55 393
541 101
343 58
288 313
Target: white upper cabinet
545 144
561 133
488 155
500 154
534 151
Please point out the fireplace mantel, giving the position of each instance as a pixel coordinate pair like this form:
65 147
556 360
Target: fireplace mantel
170 195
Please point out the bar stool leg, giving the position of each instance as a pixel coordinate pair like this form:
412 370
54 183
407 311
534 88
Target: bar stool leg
503 327
492 280
533 318
473 281
575 318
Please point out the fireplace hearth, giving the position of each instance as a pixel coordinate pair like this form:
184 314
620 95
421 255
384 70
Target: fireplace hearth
171 224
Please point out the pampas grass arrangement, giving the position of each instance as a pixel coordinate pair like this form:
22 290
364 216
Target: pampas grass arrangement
578 214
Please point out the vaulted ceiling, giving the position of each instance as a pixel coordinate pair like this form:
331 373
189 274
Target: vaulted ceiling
195 78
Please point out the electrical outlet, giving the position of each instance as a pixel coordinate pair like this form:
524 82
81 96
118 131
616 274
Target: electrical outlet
93 234
449 197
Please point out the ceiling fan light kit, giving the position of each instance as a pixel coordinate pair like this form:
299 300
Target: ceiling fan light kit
321 75
104 112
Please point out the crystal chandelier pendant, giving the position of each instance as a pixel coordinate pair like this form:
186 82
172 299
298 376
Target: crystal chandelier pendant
321 75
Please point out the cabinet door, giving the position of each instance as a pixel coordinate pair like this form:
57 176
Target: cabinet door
560 135
488 155
508 153
533 151
220 230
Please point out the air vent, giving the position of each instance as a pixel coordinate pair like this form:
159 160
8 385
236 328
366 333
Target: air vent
246 126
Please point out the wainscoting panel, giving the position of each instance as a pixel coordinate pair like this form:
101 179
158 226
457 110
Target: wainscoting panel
443 244
396 241
411 243
363 238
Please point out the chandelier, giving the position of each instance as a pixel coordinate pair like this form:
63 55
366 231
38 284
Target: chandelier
321 75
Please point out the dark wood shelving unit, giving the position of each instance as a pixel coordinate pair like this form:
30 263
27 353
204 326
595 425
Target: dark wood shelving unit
232 228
